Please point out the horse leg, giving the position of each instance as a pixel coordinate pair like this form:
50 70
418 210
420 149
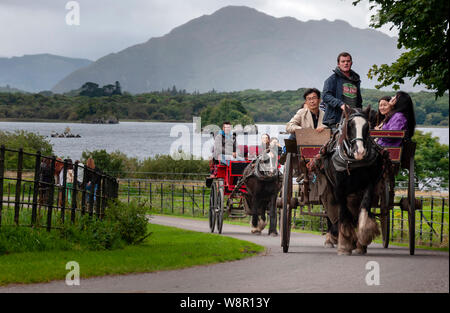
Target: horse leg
331 237
262 222
255 229
347 236
273 217
367 226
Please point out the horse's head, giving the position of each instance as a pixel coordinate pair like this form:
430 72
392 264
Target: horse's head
356 133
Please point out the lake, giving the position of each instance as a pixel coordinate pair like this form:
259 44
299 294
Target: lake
145 139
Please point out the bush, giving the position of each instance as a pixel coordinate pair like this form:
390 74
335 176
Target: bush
131 220
30 142
93 234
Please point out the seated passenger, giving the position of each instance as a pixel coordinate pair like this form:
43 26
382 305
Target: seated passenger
399 116
310 116
265 141
224 144
383 108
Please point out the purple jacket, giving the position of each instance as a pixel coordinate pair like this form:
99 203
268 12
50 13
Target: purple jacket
397 122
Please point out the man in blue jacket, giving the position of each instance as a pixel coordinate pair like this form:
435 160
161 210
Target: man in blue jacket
340 89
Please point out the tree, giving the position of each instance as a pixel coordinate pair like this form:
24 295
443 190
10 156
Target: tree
118 89
423 32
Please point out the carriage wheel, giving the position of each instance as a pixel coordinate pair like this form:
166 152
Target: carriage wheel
385 207
212 205
286 211
411 208
219 205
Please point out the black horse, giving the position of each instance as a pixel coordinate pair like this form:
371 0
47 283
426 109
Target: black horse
263 182
353 165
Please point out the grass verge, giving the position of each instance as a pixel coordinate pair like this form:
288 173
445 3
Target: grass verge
168 248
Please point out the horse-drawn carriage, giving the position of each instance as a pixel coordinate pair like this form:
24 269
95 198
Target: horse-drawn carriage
231 179
314 187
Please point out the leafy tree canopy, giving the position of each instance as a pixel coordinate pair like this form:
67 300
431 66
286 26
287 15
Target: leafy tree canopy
423 32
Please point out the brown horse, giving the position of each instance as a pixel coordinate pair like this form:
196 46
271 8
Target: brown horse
353 166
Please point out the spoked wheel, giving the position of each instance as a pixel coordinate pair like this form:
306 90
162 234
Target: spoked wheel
411 207
212 206
219 205
286 210
385 207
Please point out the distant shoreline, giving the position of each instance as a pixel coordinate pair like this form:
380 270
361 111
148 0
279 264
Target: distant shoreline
152 121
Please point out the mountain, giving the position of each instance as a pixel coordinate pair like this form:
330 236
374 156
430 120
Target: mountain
34 73
239 48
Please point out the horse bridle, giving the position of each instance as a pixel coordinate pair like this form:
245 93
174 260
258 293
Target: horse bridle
345 141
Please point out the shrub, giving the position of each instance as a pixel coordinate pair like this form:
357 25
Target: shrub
131 220
93 234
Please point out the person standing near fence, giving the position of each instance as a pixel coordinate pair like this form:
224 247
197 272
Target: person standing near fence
69 180
45 180
92 178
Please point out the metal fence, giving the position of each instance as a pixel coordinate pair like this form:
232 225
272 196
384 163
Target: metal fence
191 198
27 199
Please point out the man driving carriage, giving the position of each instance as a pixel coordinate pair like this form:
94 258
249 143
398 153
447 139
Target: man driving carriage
224 144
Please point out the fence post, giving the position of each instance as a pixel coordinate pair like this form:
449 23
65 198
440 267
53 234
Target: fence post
193 200
51 195
431 221
64 190
2 175
74 192
37 170
442 219
172 198
182 209
162 197
83 188
150 195
203 200
18 187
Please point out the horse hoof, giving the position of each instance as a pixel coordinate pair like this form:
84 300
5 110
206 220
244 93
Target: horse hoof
360 251
344 252
328 245
273 234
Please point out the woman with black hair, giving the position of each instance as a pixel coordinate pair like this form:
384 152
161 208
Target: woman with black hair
400 116
383 108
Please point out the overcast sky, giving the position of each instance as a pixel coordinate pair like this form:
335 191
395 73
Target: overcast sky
106 26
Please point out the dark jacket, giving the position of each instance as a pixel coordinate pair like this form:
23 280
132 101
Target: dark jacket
332 95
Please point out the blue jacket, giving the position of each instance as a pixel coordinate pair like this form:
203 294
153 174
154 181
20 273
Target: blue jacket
332 96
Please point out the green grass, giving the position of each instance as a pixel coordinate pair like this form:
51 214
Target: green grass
167 248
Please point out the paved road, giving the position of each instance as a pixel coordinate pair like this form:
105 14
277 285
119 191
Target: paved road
308 267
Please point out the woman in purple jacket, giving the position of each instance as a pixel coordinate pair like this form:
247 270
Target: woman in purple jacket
400 116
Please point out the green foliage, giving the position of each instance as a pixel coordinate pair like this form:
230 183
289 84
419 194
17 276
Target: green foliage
90 89
423 31
109 163
93 234
227 110
30 142
131 219
186 167
431 158
22 239
239 107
